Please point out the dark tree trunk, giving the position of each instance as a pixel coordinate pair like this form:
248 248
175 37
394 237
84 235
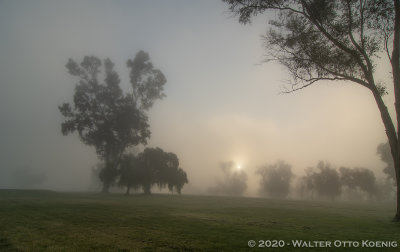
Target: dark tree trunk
397 172
109 173
393 143
106 188
396 80
146 189
397 216
128 188
105 175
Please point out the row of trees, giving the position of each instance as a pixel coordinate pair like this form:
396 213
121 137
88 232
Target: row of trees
326 181
322 181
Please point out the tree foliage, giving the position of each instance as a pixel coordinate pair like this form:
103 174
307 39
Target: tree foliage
324 180
130 173
103 115
152 167
233 182
324 40
147 82
275 179
383 150
359 178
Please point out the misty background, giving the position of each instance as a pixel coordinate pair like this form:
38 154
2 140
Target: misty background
223 103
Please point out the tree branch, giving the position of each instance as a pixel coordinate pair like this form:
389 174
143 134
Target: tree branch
366 69
310 82
386 37
362 5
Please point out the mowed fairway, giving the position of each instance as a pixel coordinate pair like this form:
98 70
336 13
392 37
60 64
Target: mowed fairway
54 221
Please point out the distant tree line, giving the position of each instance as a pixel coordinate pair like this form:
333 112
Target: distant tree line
321 181
325 181
25 176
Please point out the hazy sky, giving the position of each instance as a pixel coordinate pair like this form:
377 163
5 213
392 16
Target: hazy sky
221 103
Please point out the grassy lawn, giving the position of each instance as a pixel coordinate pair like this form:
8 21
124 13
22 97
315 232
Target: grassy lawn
53 221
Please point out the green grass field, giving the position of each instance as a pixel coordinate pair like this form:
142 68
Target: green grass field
53 221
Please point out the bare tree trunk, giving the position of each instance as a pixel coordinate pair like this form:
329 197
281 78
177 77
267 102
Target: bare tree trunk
397 173
105 174
109 173
128 188
393 142
397 216
147 189
106 188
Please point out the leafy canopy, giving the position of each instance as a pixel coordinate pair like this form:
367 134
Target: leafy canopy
324 40
151 167
102 114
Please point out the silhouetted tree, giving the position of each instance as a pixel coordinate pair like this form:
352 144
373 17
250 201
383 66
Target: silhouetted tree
151 167
171 174
326 181
149 163
234 182
359 178
275 179
95 181
104 116
383 150
130 172
154 164
306 184
320 40
166 169
177 180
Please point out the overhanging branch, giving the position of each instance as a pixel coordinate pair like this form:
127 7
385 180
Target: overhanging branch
311 81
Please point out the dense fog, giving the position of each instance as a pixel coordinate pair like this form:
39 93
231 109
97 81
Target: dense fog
223 113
